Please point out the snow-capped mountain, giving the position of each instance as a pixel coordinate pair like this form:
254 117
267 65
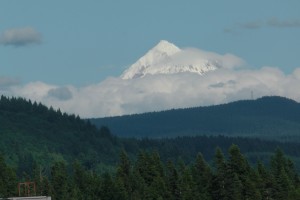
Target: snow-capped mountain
166 58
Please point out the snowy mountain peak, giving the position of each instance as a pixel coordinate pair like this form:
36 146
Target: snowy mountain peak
165 47
167 58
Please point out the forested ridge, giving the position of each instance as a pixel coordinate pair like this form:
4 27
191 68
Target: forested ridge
272 118
33 133
46 145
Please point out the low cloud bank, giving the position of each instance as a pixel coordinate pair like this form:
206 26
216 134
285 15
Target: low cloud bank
115 96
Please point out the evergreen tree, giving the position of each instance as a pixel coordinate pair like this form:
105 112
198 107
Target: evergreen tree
41 180
237 162
280 171
8 182
202 177
187 185
120 191
107 187
59 181
238 168
251 189
218 189
110 189
138 185
124 172
265 182
172 182
157 189
79 180
292 173
235 189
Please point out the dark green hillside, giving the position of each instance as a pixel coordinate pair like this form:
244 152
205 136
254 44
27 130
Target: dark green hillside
32 132
267 118
33 135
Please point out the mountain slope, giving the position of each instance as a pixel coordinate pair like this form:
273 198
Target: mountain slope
267 117
166 58
33 135
32 132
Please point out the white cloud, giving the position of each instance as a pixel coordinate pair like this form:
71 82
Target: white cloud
116 96
194 56
20 37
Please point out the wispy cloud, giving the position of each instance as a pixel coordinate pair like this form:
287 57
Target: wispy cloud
251 25
6 83
293 23
20 37
257 24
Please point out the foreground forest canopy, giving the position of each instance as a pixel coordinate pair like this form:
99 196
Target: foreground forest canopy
272 118
149 178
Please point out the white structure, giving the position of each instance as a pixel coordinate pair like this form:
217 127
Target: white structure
30 198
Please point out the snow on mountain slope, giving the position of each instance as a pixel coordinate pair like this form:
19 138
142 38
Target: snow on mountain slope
166 58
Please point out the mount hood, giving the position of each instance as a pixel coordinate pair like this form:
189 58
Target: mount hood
166 58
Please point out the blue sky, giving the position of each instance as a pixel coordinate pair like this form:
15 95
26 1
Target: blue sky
83 42
69 54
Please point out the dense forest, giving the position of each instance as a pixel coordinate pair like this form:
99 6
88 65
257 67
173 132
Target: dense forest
272 118
70 158
148 178
32 134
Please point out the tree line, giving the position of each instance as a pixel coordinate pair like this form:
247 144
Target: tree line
147 177
271 118
33 133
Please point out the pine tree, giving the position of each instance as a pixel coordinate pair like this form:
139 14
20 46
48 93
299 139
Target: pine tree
142 166
265 182
124 172
59 181
138 185
237 162
157 189
218 189
186 183
120 192
8 182
202 177
107 187
79 182
172 181
239 166
41 180
234 192
279 168
250 189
